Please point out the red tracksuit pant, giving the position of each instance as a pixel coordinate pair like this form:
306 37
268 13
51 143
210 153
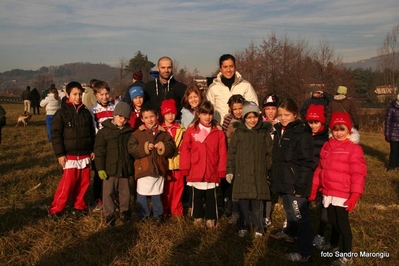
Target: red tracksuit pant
73 184
172 193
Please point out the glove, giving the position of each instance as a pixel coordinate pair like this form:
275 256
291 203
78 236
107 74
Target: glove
102 174
313 194
229 178
357 127
387 139
351 202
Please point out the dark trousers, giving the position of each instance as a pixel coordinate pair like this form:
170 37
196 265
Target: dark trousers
97 184
209 197
339 219
394 155
298 222
110 187
323 217
251 214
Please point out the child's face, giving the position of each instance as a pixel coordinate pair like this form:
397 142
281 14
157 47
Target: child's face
149 118
102 96
285 116
138 102
251 119
315 125
205 118
169 118
75 96
270 112
119 120
237 109
340 134
193 99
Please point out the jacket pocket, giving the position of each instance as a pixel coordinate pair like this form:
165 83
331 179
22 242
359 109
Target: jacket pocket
141 165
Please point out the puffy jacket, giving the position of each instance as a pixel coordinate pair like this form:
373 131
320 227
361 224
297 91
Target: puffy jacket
293 163
206 161
111 152
174 162
318 141
342 169
219 94
392 121
72 130
150 162
249 159
51 104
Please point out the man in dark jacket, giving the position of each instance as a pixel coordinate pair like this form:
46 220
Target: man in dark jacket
318 98
137 81
165 87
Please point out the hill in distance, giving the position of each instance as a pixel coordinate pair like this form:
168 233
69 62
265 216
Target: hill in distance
365 63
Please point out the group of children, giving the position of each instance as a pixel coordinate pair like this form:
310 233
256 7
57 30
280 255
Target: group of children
255 152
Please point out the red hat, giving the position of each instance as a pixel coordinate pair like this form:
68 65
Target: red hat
340 118
168 106
138 75
316 113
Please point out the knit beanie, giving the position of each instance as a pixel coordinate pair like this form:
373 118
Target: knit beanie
341 118
123 109
138 75
136 91
270 100
316 113
342 90
249 107
168 106
314 89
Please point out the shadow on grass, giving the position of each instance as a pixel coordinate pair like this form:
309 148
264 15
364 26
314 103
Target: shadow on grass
379 155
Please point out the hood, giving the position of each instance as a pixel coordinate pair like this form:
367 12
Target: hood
339 97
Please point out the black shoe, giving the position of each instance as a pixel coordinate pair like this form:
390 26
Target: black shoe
125 216
78 213
56 216
159 220
110 220
228 208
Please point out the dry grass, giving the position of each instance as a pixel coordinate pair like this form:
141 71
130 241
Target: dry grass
28 237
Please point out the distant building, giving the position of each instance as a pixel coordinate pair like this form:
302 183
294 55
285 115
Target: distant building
385 93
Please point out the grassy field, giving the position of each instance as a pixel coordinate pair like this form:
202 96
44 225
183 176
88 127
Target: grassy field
29 174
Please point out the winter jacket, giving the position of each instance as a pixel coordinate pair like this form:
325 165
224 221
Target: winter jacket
187 117
111 152
138 83
174 162
26 95
324 100
249 159
72 130
52 104
318 141
341 103
219 94
342 169
206 161
156 92
293 163
89 99
34 98
392 121
150 162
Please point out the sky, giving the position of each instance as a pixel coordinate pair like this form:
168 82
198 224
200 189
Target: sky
36 33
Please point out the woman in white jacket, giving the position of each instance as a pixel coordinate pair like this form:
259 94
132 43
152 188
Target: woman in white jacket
52 103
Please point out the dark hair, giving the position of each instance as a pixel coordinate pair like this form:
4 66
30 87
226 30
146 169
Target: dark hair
289 105
100 85
71 85
28 87
148 108
206 107
92 82
193 87
55 92
235 98
226 57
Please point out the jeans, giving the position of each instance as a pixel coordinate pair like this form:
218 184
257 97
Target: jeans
142 206
49 121
297 212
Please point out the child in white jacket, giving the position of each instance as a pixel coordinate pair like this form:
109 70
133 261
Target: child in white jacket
52 103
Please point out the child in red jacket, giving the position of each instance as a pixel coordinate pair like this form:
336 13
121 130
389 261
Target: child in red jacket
203 157
340 175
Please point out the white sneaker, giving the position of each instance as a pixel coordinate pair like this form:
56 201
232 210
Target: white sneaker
242 233
268 222
257 234
318 241
285 223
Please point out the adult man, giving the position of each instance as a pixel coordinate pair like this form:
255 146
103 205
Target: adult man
137 81
318 98
165 87
227 83
26 97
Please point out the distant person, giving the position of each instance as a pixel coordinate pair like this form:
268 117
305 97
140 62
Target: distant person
26 98
3 120
52 103
73 142
114 163
89 99
341 177
35 101
137 81
341 103
191 99
46 91
165 87
392 133
227 83
318 97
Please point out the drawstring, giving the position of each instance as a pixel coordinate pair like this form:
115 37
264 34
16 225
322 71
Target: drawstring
156 86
